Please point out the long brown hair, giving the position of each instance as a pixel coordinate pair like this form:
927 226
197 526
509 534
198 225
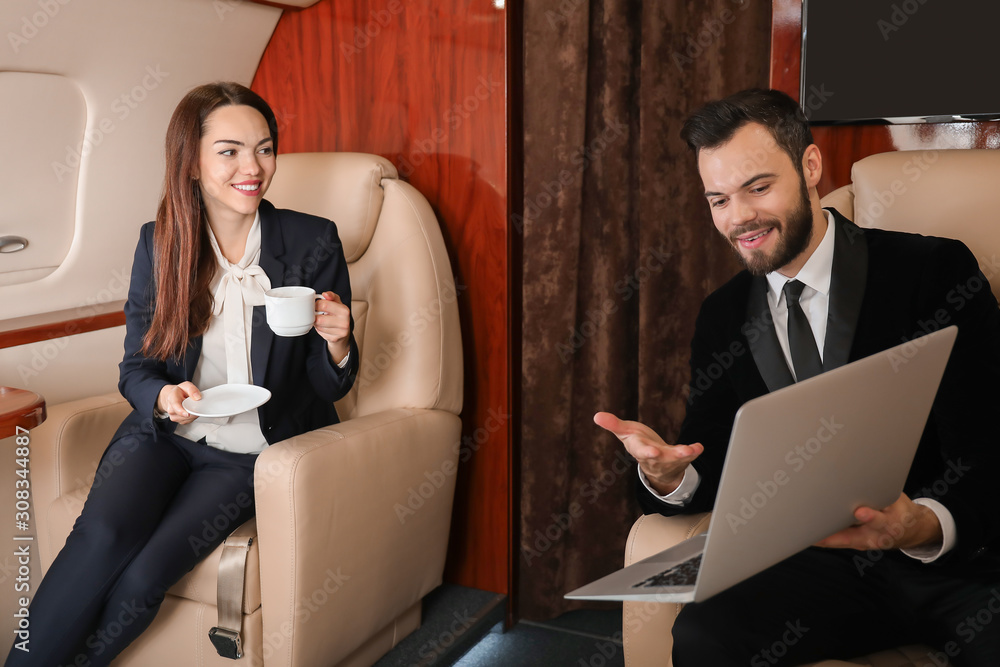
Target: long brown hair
183 261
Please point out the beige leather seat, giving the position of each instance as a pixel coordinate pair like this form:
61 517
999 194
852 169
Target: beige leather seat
951 193
352 520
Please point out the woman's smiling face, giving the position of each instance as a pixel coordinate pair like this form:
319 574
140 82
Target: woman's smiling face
236 162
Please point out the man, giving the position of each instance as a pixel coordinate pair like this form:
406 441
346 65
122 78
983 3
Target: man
935 568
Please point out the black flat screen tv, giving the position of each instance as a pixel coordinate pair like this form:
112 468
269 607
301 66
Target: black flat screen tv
900 61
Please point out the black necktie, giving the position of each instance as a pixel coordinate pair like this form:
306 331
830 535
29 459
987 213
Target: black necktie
801 342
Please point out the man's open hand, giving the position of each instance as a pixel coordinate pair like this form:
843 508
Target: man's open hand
902 525
662 464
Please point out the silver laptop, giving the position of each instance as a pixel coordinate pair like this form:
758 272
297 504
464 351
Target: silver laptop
801 460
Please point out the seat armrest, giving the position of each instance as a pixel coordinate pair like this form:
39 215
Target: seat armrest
65 450
367 524
646 626
652 533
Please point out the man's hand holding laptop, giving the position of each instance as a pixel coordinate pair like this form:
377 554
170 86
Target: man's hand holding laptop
902 525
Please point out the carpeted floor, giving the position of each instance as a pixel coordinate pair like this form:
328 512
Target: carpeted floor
464 627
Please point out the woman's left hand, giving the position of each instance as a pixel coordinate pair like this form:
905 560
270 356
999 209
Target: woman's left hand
333 323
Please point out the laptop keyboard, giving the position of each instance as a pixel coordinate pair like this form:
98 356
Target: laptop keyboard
682 574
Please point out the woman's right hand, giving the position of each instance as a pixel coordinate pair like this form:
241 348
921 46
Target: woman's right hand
169 401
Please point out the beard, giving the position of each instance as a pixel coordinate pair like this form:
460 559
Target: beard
793 238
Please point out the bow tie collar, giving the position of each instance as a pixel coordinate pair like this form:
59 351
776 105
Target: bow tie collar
240 287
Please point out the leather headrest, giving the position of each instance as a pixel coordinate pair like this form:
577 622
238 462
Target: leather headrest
344 187
929 192
950 193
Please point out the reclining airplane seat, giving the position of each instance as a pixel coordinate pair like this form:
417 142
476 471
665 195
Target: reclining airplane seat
951 193
352 520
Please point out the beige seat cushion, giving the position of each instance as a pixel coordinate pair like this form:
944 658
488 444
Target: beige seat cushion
198 585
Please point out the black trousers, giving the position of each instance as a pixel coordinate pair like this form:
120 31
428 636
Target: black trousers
156 508
841 604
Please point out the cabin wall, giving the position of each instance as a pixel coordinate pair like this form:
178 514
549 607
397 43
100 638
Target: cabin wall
87 90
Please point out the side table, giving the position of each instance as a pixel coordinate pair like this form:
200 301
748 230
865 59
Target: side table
19 407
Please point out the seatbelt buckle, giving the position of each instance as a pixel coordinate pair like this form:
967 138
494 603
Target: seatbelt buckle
226 642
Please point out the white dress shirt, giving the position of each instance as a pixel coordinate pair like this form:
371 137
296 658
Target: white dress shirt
225 347
816 275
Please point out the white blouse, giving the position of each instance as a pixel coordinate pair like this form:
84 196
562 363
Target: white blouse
225 349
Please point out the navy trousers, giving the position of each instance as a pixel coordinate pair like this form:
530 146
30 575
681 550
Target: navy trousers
826 604
156 508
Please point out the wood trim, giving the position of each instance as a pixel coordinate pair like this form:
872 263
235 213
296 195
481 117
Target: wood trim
515 263
293 6
60 323
19 407
786 46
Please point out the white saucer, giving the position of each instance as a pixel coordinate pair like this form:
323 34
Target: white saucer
227 400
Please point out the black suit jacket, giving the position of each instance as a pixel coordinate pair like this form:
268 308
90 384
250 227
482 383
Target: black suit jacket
296 249
886 288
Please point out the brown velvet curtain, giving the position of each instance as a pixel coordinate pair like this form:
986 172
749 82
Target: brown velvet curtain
619 252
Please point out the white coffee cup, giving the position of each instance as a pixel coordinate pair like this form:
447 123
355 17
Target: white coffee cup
291 311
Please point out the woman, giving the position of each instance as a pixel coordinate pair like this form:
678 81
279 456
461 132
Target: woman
194 320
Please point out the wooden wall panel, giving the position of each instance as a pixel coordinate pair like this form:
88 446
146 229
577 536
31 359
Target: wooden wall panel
45 326
786 45
843 145
424 84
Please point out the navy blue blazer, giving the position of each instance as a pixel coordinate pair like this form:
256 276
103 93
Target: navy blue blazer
886 288
296 249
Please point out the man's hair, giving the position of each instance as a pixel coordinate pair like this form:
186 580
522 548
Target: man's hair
715 123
